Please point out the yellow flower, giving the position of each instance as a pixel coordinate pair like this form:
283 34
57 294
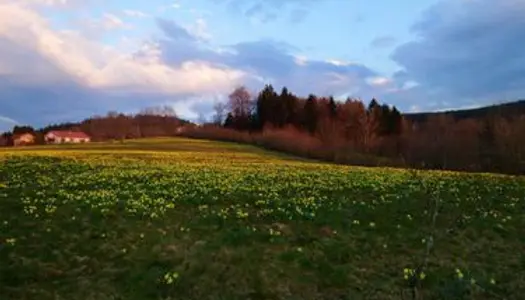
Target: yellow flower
169 278
407 273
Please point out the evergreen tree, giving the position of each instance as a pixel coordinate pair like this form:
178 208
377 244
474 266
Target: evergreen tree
385 121
264 107
290 107
311 114
332 108
372 105
396 122
228 122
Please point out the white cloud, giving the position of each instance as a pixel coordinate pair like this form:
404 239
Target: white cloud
61 4
44 2
191 108
135 13
164 8
200 29
336 79
94 65
301 60
414 109
339 63
109 22
409 84
378 81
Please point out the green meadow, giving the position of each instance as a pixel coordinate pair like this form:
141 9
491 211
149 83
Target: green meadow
174 218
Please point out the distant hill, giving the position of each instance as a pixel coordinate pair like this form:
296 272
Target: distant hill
506 110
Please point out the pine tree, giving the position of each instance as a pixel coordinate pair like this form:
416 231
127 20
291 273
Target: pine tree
396 122
311 114
372 105
332 108
289 106
228 123
264 107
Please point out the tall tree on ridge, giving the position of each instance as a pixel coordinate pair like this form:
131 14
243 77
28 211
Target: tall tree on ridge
332 107
311 114
264 108
289 104
240 103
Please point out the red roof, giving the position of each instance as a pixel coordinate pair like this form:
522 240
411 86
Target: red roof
69 134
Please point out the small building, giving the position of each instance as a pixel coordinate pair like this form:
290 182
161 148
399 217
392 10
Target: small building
23 139
62 137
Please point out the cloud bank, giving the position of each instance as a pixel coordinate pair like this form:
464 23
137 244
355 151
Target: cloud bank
47 73
464 53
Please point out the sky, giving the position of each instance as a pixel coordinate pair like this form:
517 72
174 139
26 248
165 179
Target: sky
66 60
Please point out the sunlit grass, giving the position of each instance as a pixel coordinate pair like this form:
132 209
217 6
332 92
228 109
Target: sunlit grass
192 219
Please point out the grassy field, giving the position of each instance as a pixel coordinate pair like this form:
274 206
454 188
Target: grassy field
190 219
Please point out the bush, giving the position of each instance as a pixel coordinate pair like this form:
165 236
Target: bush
292 141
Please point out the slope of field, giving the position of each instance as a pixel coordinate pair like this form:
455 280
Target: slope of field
188 219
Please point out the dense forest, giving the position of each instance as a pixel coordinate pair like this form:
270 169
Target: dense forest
350 132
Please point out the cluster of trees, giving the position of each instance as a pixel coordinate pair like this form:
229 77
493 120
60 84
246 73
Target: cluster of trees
373 134
150 122
331 121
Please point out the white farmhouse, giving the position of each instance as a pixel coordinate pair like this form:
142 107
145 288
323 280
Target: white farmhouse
61 137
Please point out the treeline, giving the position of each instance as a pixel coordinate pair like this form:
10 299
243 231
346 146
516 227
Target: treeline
374 134
150 122
508 110
348 132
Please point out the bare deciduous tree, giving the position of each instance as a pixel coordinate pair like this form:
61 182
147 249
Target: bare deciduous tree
240 102
163 111
220 110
